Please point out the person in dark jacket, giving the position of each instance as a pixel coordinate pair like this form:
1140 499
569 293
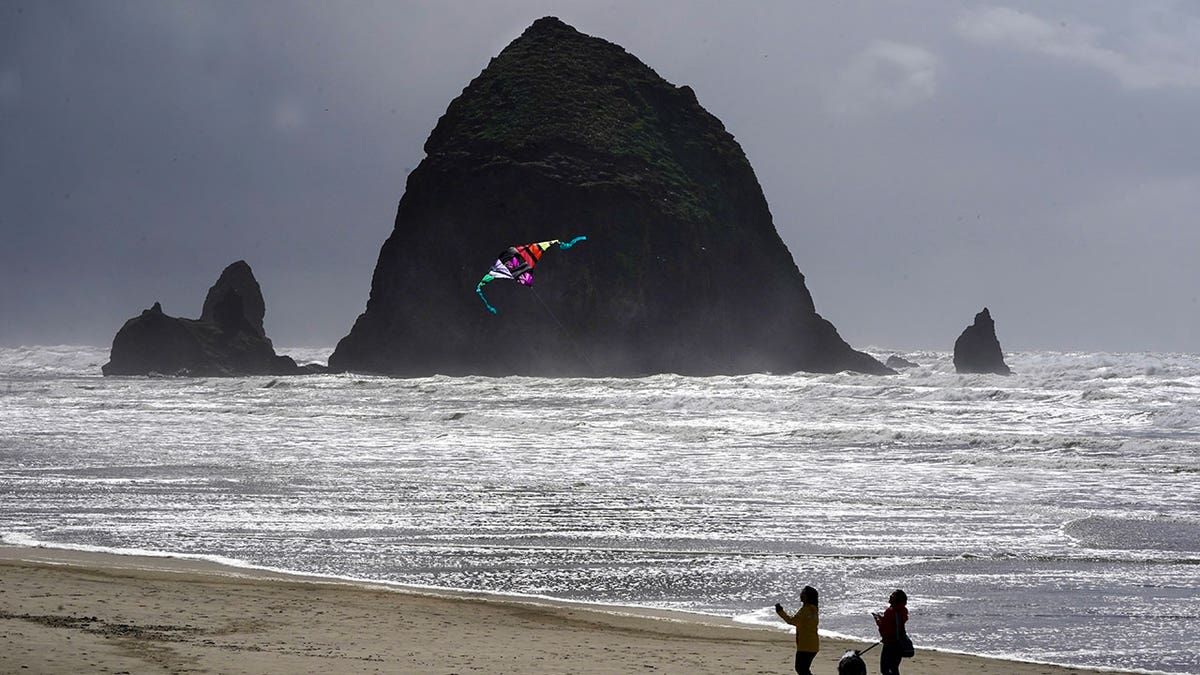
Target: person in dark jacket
891 627
805 620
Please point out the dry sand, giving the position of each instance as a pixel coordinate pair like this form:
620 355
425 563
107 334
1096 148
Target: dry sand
71 612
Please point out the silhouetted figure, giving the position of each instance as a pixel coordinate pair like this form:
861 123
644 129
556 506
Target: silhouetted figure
891 632
805 620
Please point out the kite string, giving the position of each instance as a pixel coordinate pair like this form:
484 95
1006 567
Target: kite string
566 332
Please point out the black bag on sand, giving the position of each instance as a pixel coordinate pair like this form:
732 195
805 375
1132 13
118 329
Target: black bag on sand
851 664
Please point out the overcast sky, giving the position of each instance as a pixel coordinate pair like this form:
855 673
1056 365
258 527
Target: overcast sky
922 160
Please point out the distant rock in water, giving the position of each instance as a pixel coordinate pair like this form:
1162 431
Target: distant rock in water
238 278
563 135
898 363
977 350
228 339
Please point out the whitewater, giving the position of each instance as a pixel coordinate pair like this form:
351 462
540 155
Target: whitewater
1052 516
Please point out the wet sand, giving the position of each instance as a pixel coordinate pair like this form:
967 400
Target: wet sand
73 612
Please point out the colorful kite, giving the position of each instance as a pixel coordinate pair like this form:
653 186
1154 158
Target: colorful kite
517 262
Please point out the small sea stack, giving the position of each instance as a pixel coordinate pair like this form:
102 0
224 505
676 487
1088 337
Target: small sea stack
228 339
977 350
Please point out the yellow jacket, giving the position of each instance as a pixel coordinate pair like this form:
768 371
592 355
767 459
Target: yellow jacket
805 620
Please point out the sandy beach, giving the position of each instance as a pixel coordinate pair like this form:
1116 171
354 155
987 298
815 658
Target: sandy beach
68 612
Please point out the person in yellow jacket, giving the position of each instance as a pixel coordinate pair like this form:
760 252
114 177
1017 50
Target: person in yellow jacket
805 621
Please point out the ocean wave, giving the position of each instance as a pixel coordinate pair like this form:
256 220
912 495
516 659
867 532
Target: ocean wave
1064 491
1124 534
52 361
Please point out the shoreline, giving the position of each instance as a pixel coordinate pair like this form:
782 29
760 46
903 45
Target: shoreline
66 610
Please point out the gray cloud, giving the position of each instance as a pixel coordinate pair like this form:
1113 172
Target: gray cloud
886 76
921 159
10 86
1140 57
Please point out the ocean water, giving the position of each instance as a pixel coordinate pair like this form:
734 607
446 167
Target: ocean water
1053 515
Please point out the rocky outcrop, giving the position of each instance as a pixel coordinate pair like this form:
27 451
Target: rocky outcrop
227 339
240 279
562 135
977 350
899 363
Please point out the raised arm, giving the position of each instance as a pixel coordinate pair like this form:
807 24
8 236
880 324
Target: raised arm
784 615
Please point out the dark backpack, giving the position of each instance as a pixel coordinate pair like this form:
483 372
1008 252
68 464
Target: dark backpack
904 644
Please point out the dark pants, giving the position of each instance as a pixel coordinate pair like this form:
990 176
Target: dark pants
889 660
803 661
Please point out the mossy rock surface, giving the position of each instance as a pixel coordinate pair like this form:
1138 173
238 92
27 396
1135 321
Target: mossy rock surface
565 134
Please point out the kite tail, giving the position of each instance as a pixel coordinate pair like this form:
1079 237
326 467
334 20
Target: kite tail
479 290
564 245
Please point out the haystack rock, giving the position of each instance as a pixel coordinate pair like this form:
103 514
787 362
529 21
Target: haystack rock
977 350
564 135
227 339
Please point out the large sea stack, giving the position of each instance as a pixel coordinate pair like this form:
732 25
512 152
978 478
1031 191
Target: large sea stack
227 339
977 350
561 135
